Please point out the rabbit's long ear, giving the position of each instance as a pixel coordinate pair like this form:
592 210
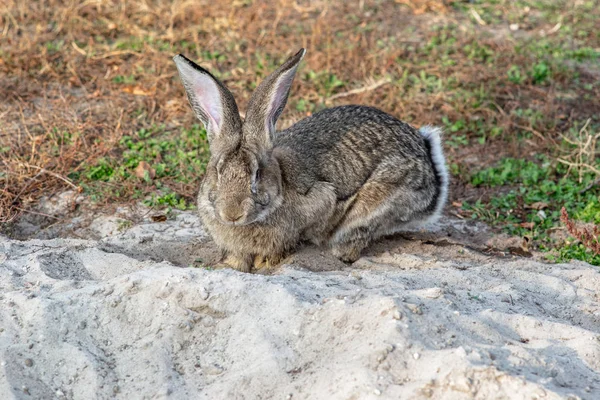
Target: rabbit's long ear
268 100
211 101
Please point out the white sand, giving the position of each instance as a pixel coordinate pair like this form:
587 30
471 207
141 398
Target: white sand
83 319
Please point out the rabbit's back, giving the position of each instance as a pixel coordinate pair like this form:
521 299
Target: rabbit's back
345 176
347 145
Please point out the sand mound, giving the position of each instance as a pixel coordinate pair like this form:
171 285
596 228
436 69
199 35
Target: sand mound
108 318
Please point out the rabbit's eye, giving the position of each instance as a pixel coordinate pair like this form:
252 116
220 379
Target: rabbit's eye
264 200
253 186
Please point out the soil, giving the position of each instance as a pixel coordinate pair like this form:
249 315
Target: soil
451 313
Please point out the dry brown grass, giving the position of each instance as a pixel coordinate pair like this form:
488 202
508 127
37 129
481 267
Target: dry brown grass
583 153
589 236
77 76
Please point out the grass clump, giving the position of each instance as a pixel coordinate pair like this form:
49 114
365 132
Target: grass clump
587 245
529 197
154 164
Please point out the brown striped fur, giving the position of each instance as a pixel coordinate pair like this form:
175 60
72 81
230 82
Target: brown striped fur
344 176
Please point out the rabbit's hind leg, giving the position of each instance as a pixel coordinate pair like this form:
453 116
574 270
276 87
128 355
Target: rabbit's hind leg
361 224
320 210
375 206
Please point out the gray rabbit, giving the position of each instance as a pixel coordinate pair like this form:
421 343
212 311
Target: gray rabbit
344 176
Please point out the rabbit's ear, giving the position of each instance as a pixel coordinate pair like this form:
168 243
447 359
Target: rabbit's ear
268 100
211 101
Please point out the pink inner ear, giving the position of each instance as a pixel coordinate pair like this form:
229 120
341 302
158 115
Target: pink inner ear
209 98
206 94
279 96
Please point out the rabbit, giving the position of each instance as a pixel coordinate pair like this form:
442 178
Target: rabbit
344 176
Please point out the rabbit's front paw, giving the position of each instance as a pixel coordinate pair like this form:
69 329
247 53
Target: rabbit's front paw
266 263
242 264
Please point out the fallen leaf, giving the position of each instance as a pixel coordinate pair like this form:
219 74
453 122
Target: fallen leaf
527 225
517 251
158 218
144 169
457 204
137 91
525 243
538 205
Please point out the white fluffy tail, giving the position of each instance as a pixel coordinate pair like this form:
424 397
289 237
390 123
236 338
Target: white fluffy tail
433 137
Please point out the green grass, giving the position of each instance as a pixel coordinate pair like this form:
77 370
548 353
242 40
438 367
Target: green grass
176 158
536 191
199 263
126 79
573 250
55 46
326 81
169 200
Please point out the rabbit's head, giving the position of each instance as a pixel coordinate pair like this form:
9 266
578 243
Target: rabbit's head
243 178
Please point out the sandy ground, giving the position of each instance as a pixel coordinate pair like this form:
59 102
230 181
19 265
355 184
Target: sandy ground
421 316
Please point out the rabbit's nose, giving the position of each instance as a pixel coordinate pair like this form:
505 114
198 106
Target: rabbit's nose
231 215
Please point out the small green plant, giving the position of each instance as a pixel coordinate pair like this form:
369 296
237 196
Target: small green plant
325 81
588 247
511 170
169 158
133 43
305 106
531 206
331 82
478 52
124 225
427 82
167 199
540 73
583 53
574 250
125 79
456 141
199 263
55 46
213 55
515 75
455 126
102 171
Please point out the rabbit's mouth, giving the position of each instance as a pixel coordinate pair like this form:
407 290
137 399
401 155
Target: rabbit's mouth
243 220
235 223
239 220
253 211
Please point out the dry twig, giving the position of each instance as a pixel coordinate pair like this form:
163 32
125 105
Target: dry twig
54 174
363 89
583 158
589 237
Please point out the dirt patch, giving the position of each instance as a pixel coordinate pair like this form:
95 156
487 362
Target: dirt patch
419 315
